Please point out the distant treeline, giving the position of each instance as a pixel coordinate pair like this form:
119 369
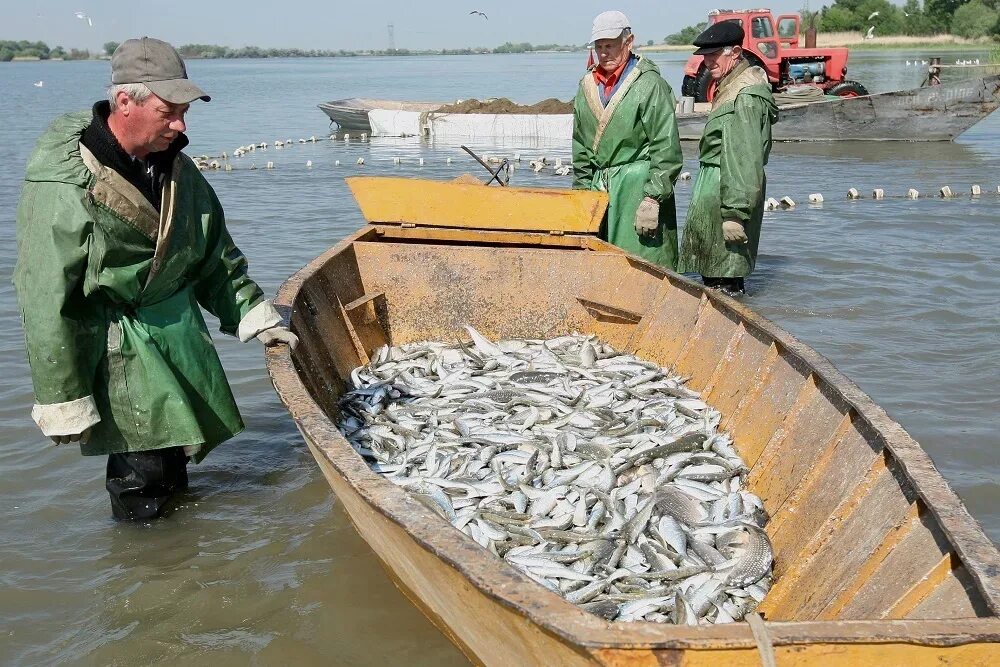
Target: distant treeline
216 51
25 49
40 50
962 18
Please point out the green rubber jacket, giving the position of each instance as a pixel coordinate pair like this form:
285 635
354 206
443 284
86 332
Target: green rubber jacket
630 149
109 292
731 184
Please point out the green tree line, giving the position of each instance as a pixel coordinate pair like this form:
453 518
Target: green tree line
10 50
25 49
963 18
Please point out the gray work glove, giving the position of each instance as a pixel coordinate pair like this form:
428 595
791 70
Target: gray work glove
733 232
278 335
82 438
647 218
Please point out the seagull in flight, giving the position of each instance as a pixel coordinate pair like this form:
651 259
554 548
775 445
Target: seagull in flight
475 11
872 15
82 15
38 84
871 33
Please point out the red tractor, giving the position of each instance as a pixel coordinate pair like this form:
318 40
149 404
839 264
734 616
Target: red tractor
774 47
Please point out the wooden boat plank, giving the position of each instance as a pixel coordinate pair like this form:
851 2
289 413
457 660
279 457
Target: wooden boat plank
955 597
854 536
733 377
443 204
825 488
861 577
971 543
910 560
797 446
827 655
706 347
666 328
625 295
765 406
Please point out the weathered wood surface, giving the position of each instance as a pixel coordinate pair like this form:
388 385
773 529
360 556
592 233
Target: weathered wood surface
865 530
933 113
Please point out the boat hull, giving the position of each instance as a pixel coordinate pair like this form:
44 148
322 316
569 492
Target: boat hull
876 559
934 113
351 114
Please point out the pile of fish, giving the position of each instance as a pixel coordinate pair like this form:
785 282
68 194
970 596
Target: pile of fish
597 474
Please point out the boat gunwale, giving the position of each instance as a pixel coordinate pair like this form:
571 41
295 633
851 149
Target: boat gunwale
559 617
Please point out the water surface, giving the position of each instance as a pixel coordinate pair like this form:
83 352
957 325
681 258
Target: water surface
259 565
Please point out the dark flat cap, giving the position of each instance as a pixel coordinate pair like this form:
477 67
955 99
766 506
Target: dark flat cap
718 36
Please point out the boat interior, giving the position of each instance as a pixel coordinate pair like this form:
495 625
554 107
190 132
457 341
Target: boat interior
863 526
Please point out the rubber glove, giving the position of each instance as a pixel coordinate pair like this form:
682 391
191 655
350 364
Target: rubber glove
733 232
647 218
82 438
278 335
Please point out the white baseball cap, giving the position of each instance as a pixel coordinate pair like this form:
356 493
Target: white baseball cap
609 25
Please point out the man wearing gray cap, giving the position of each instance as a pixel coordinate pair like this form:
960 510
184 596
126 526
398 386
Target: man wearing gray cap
625 143
120 240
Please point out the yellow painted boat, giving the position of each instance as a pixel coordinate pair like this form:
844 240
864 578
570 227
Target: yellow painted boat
877 562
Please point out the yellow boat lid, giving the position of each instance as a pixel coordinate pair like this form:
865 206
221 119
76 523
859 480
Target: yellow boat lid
461 204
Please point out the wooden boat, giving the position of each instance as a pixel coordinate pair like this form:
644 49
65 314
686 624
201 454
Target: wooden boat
933 113
351 114
877 562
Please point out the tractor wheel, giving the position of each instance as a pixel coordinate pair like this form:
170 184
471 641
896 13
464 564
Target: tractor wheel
687 86
703 86
847 89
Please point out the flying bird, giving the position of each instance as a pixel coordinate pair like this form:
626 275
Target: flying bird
871 33
38 84
82 15
872 15
475 11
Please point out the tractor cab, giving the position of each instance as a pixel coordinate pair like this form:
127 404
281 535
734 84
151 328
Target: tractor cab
773 45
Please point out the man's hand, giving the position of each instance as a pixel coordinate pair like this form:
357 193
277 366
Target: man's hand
278 335
647 218
82 438
733 232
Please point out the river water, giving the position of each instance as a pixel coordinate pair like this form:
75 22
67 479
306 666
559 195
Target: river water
259 565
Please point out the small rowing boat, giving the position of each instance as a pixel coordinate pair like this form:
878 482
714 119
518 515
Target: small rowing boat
876 560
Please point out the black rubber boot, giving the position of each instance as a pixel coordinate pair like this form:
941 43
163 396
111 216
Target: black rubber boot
141 483
731 286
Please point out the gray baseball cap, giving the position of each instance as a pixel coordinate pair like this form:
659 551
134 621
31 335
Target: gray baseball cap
608 25
159 66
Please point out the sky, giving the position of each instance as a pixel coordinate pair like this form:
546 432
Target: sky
335 24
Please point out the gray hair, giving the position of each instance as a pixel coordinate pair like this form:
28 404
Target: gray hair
136 92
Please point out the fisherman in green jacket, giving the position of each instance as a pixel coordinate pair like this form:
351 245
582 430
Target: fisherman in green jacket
724 218
120 241
625 143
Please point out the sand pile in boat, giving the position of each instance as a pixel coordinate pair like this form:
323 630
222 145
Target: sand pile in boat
502 105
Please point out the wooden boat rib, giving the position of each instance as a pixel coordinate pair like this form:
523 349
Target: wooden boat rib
933 113
876 559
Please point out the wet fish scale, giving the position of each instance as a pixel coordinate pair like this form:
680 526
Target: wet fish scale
592 472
